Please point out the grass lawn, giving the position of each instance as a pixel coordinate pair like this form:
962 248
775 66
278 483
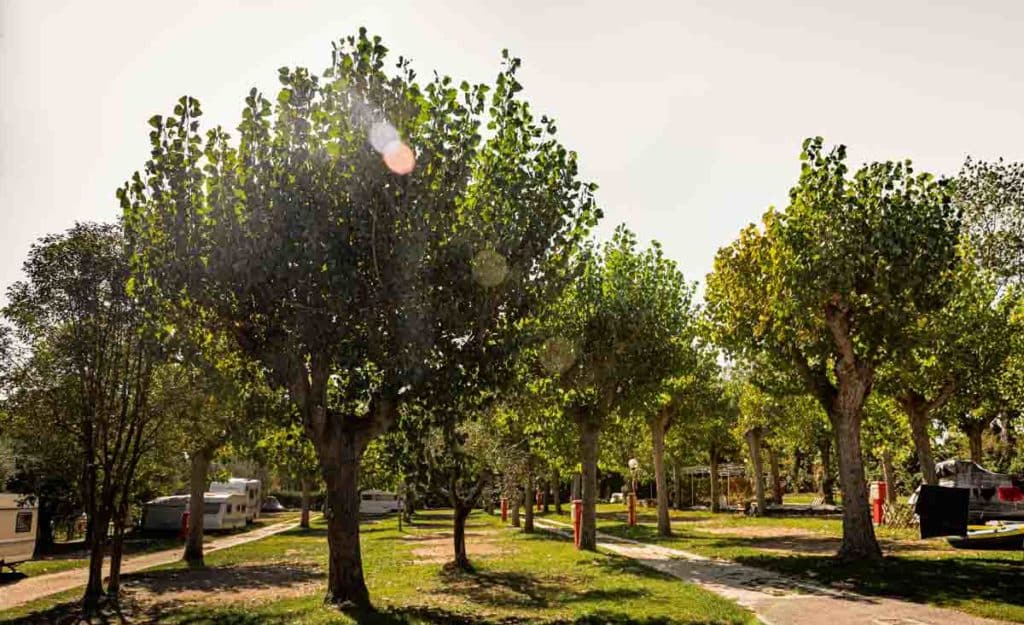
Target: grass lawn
134 545
986 583
518 577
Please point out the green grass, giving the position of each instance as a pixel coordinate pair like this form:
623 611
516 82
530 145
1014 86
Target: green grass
517 577
986 583
135 546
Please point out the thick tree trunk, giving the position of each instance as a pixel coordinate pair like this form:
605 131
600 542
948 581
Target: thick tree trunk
754 436
589 433
658 426
117 552
529 504
97 548
199 466
556 488
974 430
545 497
917 415
889 475
459 536
44 531
304 515
340 457
713 479
826 484
859 541
773 473
514 507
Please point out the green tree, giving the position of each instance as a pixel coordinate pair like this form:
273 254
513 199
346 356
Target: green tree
991 197
611 344
361 237
830 289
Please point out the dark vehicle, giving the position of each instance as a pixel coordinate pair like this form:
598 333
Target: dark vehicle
271 504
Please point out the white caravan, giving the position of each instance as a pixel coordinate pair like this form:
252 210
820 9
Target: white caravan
248 487
17 530
221 511
379 502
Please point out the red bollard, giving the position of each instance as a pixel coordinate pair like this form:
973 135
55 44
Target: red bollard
577 521
183 532
504 509
878 492
632 509
540 501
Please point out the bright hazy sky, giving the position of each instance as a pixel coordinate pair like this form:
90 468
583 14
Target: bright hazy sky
689 115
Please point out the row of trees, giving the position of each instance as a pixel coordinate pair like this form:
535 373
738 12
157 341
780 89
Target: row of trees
384 280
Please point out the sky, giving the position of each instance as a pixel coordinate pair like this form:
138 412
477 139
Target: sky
688 115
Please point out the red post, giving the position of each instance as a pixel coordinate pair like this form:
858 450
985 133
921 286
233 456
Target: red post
540 501
632 509
504 509
577 521
878 492
183 531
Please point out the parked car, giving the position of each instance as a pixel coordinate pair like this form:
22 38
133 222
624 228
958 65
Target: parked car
379 502
271 504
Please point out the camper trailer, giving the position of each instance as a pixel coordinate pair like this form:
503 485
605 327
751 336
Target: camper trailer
378 502
248 487
18 521
221 511
993 496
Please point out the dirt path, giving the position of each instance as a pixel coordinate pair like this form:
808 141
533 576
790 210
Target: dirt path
774 598
32 588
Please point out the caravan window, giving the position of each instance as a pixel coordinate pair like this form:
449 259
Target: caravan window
229 508
367 497
211 508
23 522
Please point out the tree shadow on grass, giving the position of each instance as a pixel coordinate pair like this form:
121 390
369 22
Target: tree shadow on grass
507 589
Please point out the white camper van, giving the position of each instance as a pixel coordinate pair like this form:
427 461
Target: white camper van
248 487
17 530
221 511
378 502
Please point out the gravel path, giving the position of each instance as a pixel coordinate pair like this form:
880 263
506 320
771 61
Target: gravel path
32 588
775 598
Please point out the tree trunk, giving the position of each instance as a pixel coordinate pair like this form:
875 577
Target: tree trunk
713 479
459 535
917 415
889 475
199 470
514 511
753 437
304 515
589 433
773 472
530 503
44 531
340 458
658 427
117 551
677 491
545 496
556 487
826 484
97 547
859 541
974 429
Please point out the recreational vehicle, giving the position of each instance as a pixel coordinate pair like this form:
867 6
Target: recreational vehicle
993 496
379 502
17 530
220 511
248 487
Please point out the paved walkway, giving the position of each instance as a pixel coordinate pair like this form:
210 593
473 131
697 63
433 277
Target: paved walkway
32 588
777 599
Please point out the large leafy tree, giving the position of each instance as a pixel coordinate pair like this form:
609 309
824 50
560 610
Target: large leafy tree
361 237
91 352
830 288
991 197
612 344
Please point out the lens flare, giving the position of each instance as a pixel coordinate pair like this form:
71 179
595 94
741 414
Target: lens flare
383 134
399 158
489 268
557 355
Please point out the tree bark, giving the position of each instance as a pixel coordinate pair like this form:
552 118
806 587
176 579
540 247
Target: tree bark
658 426
859 541
889 475
773 473
589 433
974 429
514 507
556 487
826 484
97 549
345 582
44 531
917 414
117 551
713 479
754 437
459 536
199 470
530 503
304 515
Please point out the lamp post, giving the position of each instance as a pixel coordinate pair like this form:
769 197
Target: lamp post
634 466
